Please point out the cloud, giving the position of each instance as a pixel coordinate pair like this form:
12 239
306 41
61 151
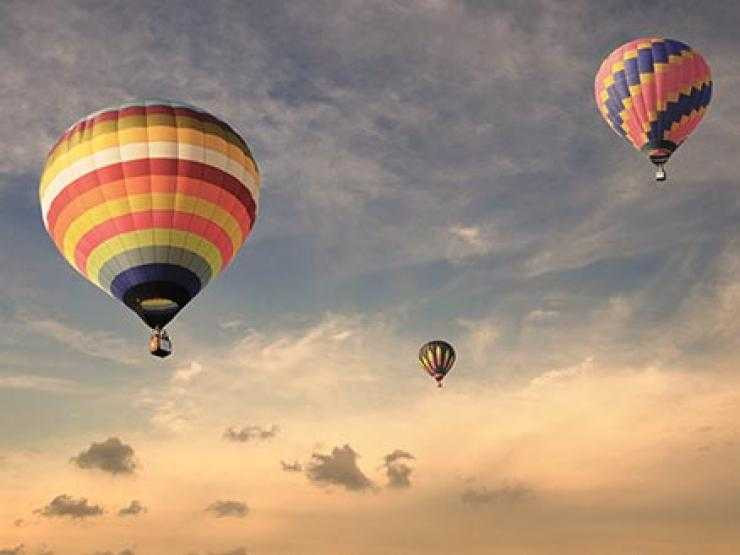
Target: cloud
41 383
465 242
133 509
291 467
237 551
397 471
228 508
18 522
249 433
340 469
560 375
231 324
64 505
504 495
96 344
187 373
18 550
124 552
111 456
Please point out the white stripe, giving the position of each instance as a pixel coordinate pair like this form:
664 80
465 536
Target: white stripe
137 151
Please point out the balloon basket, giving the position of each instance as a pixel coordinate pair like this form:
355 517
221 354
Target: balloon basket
159 344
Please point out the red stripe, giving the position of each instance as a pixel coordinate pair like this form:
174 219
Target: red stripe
151 166
148 185
166 219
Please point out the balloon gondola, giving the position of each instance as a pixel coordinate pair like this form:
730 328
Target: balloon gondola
150 201
653 92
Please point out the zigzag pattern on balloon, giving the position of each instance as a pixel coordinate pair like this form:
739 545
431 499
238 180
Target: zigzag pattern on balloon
653 92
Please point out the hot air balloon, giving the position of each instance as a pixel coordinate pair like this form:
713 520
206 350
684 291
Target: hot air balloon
150 201
653 92
437 358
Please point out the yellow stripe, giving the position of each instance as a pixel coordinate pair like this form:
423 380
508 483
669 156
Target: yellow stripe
143 135
145 202
90 132
148 238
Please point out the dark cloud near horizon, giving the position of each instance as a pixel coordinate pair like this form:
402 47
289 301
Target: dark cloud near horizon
124 552
64 505
223 509
17 550
112 456
397 471
505 495
236 551
338 469
249 433
18 522
291 467
134 508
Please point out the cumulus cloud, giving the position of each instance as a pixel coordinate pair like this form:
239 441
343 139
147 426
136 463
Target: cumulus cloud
228 508
65 505
111 456
249 433
338 469
396 470
291 467
133 509
504 495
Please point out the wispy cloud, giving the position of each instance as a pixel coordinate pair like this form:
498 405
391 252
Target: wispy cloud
96 344
504 495
249 433
41 383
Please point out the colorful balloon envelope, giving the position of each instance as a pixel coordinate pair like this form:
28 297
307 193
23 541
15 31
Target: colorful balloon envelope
150 201
654 92
437 358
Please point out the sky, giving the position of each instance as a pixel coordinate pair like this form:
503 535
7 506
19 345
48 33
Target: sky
430 169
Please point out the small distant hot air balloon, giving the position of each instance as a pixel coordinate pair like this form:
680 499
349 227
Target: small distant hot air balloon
150 201
437 358
653 92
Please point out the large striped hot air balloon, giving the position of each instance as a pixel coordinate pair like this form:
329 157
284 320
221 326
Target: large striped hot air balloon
150 201
653 92
437 358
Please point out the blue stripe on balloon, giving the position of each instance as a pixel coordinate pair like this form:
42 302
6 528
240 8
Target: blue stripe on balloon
148 273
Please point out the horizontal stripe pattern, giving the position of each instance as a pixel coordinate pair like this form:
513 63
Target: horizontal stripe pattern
147 187
653 92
